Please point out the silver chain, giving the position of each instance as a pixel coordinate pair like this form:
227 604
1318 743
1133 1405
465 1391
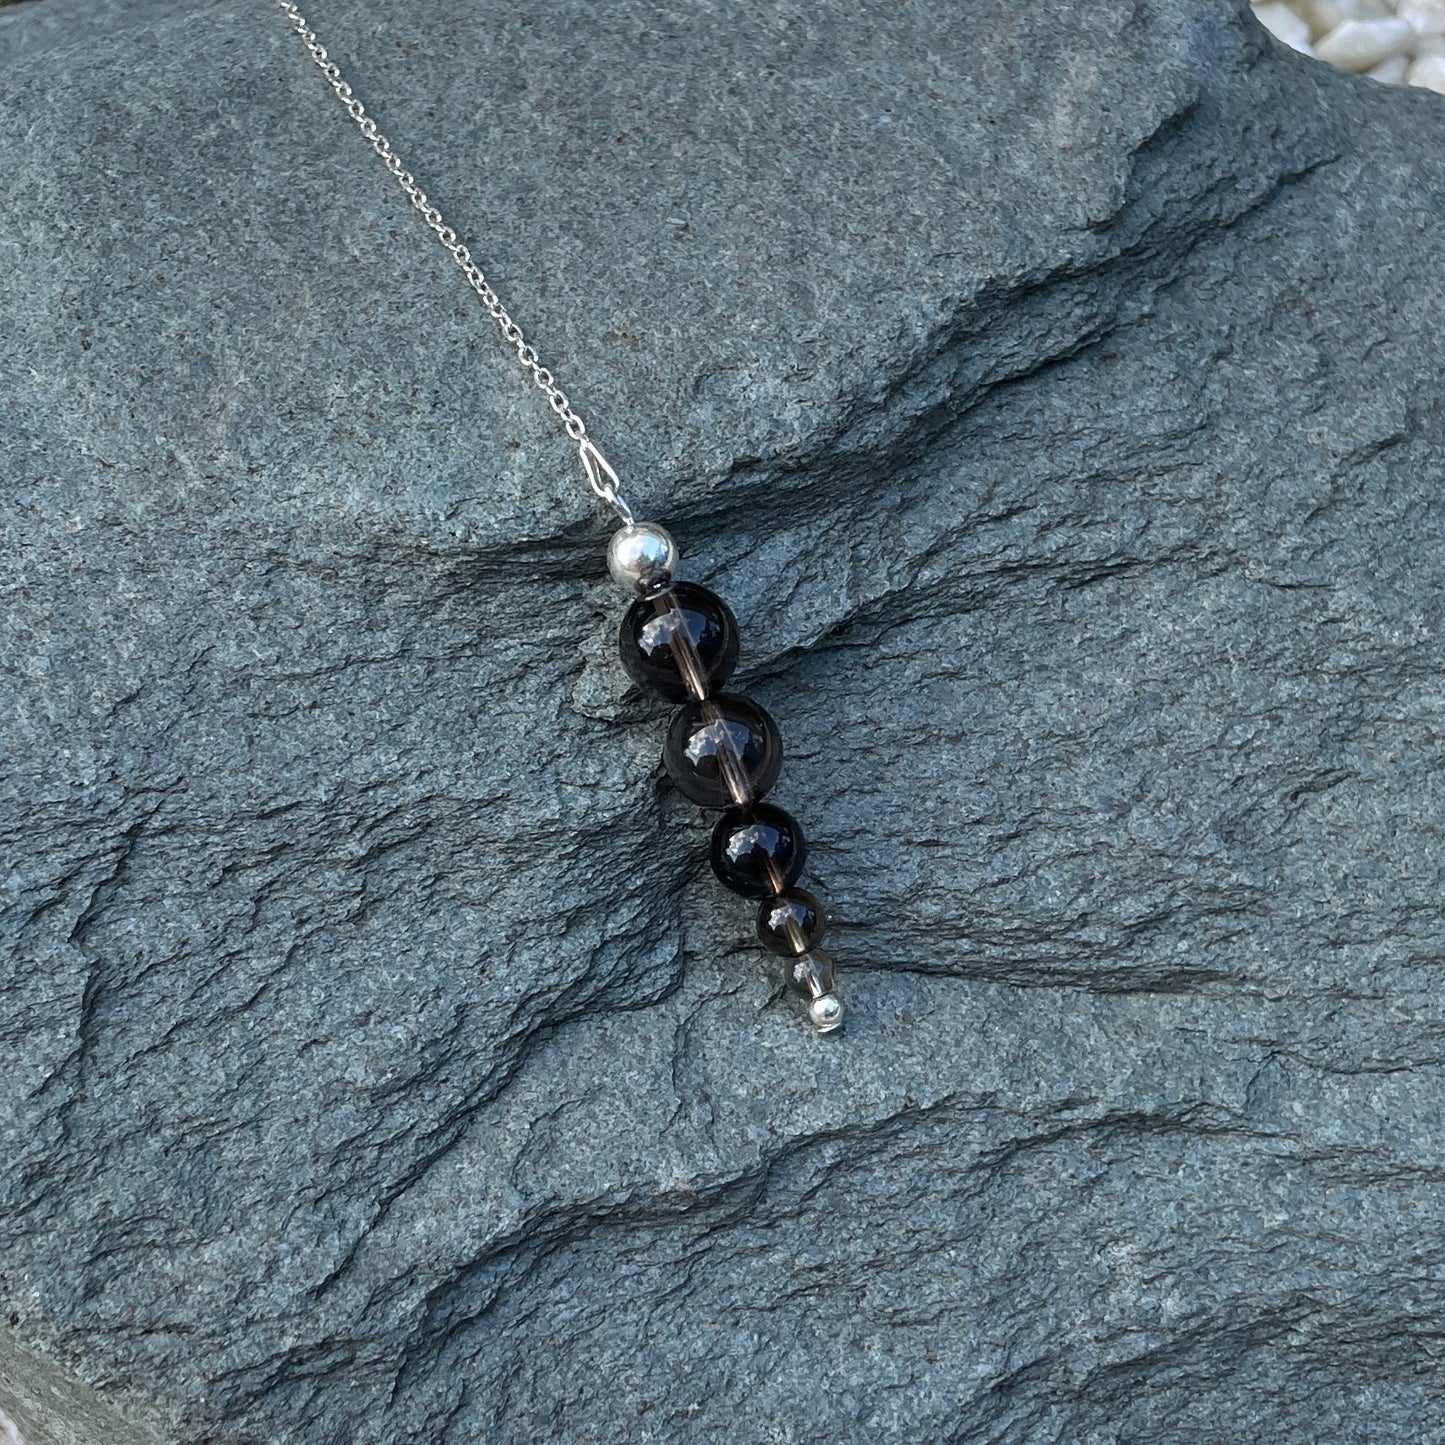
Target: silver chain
600 475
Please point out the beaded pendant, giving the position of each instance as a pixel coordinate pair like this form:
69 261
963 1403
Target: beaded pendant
723 752
678 640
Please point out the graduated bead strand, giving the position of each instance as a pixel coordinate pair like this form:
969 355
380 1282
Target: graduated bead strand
723 751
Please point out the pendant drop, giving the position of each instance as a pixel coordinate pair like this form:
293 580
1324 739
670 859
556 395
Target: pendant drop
723 751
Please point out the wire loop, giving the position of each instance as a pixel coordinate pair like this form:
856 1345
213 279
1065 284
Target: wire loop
603 479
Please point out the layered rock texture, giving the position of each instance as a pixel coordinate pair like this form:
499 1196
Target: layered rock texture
1055 391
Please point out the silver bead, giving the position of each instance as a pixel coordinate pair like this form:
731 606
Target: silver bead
826 1013
641 556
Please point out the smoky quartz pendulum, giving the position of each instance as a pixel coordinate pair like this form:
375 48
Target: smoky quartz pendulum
723 752
678 639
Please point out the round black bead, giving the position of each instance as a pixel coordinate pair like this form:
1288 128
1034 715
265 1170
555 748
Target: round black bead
758 850
723 752
793 923
681 635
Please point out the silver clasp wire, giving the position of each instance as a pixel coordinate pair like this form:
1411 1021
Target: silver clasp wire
603 479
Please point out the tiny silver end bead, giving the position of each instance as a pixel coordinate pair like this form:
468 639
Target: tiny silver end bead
826 1012
641 557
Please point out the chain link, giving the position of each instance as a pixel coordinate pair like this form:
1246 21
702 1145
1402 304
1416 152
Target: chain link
600 475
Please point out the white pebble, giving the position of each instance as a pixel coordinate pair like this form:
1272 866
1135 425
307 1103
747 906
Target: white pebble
1391 71
1325 15
1424 17
1428 72
1284 24
1363 44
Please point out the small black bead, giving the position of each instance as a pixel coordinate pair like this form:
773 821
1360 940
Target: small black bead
758 851
723 752
679 640
792 923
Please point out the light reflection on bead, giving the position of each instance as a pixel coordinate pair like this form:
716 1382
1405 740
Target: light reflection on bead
723 752
826 1013
681 643
812 974
791 923
641 557
758 851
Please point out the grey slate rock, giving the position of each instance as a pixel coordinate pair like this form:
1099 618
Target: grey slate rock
42 1404
1054 390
